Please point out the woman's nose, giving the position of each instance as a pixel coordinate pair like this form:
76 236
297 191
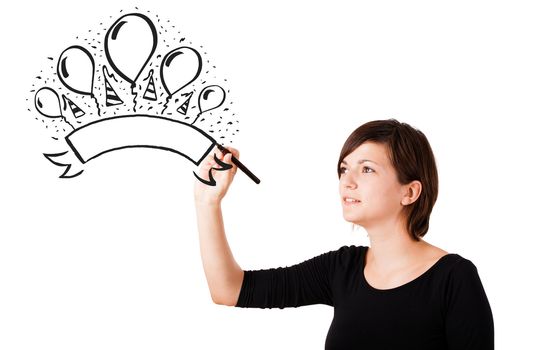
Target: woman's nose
351 185
349 181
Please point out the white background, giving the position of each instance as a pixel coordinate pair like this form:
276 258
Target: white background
110 259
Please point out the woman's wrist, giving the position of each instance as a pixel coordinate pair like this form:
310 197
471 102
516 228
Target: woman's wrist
208 203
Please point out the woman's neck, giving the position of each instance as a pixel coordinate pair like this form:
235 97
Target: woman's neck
392 249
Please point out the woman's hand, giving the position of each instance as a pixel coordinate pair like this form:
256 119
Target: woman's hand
205 194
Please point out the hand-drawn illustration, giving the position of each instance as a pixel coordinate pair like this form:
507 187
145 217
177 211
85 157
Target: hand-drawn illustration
183 109
150 91
180 67
130 44
76 69
112 99
210 98
76 111
48 104
111 134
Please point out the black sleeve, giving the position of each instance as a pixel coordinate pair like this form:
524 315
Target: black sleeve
302 284
469 322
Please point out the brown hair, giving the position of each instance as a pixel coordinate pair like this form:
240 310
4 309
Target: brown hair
412 158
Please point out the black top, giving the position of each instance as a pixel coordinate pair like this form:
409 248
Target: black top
444 308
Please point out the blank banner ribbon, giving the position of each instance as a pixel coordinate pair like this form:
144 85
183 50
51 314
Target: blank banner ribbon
110 134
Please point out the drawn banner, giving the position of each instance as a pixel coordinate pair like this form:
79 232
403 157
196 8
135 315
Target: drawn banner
110 134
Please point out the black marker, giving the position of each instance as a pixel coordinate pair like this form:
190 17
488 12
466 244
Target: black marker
239 164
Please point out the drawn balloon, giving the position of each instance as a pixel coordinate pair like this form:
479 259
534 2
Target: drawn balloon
76 69
179 68
129 44
47 103
210 98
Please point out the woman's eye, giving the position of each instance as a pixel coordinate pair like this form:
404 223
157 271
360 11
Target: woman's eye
365 169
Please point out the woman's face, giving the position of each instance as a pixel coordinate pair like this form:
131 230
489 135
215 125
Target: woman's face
368 177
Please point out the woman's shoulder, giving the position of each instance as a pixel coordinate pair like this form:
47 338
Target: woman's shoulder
347 255
349 250
456 266
461 280
446 262
433 255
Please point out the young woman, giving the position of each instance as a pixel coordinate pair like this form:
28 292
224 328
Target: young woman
400 292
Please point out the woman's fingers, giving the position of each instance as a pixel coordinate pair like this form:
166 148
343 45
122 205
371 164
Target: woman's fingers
220 154
209 161
234 152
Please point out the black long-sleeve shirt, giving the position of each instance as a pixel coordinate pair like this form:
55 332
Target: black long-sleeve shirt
444 308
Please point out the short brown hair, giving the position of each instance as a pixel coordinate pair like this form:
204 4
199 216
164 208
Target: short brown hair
412 158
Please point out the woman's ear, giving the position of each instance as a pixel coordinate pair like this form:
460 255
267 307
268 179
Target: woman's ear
412 193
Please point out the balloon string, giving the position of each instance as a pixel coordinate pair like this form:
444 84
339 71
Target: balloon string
66 121
133 87
96 104
198 115
166 104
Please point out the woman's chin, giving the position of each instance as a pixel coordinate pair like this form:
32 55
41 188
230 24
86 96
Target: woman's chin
352 219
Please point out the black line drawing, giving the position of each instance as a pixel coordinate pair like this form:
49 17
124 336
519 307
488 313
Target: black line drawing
76 111
112 99
67 174
179 68
150 91
106 135
48 104
130 44
183 109
210 98
132 50
76 70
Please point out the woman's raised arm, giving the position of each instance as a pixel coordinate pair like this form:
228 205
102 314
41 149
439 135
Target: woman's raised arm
223 274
